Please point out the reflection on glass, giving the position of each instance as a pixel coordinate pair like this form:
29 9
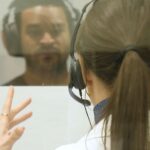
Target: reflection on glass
40 32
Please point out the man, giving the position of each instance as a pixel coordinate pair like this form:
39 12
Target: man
43 31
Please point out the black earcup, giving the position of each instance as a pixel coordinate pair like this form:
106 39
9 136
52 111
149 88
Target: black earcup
77 81
12 39
76 78
11 36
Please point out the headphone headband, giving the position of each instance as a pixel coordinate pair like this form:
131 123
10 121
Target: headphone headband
73 40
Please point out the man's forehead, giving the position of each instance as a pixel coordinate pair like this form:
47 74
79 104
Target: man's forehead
21 5
41 8
44 13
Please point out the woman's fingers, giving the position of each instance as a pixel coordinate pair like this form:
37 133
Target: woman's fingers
4 124
7 105
14 121
20 119
14 135
20 107
5 114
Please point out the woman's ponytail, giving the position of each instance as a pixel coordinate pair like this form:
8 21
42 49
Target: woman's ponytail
129 104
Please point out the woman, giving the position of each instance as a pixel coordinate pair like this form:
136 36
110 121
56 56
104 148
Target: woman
113 47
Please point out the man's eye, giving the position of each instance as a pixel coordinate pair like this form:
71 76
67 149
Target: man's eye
57 31
35 32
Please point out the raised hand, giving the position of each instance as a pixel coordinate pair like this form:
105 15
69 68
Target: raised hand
8 120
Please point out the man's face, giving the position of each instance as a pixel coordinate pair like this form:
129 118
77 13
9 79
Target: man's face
45 37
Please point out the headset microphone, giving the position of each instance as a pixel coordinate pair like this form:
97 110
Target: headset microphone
78 99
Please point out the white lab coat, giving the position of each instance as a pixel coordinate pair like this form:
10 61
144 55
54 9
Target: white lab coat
92 141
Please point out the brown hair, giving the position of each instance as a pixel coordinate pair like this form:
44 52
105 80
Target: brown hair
110 27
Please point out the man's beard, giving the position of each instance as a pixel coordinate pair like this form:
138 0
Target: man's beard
52 64
47 60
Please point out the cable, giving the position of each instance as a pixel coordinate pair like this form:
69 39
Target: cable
80 92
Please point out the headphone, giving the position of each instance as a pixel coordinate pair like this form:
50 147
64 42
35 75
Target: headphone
11 35
76 78
11 31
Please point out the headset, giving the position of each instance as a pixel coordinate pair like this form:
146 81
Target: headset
10 28
76 78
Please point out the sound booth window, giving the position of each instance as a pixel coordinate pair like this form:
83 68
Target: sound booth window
35 41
